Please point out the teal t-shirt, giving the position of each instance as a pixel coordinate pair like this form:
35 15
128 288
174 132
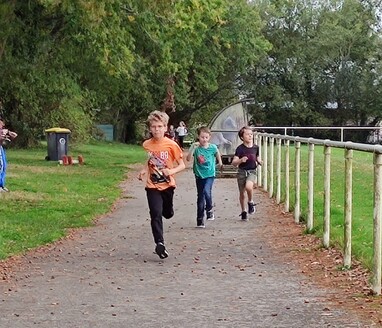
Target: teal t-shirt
205 161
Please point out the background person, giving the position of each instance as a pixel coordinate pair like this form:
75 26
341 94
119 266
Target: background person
5 136
218 139
181 130
171 132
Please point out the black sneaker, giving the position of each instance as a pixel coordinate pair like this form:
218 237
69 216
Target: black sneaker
210 216
200 223
168 215
244 216
160 249
251 208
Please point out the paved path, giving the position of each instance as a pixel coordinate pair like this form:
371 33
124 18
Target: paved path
226 275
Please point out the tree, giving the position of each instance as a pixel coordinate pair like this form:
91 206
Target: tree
198 48
319 68
58 60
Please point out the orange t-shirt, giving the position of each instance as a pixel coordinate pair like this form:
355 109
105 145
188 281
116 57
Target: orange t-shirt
161 154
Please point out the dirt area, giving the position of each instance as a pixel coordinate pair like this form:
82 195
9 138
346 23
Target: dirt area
351 288
267 270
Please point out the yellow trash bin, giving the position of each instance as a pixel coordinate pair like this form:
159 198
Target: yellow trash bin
57 139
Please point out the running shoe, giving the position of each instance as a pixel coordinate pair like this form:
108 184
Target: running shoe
160 249
200 223
251 208
210 216
244 216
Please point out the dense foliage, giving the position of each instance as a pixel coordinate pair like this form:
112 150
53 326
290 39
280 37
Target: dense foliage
74 63
324 68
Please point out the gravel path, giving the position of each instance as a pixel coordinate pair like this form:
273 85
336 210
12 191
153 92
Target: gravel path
226 275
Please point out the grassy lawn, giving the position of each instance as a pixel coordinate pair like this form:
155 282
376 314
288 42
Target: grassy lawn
46 198
362 222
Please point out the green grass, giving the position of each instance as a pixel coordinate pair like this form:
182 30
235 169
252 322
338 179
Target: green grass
47 199
363 202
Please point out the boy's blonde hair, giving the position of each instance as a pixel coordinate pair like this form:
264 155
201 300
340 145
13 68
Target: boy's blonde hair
203 129
157 115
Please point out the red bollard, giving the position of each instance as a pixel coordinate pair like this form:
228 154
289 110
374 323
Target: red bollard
65 160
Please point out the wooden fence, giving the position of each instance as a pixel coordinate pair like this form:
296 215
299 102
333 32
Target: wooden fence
270 176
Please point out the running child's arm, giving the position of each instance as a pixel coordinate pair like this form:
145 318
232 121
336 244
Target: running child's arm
181 166
258 159
219 159
189 155
12 134
143 172
191 151
236 161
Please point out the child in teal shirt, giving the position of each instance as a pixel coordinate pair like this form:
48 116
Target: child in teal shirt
204 166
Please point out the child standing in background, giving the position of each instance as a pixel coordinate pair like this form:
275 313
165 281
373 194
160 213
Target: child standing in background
246 158
181 132
204 166
5 135
160 184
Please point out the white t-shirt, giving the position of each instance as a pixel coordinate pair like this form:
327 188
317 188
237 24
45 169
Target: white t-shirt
182 131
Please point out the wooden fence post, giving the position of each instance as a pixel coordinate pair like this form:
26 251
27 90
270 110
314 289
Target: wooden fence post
377 229
348 206
287 175
259 168
278 172
309 223
326 233
271 164
265 164
297 183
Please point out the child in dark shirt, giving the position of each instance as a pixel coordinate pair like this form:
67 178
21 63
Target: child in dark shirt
246 158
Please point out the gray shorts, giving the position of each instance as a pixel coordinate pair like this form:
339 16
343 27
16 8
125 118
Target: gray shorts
243 176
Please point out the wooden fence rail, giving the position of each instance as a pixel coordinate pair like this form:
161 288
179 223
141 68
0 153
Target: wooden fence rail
266 142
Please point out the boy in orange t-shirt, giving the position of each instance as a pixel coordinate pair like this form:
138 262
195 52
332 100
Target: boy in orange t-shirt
160 184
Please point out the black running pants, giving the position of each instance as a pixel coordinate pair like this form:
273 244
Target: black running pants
160 204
